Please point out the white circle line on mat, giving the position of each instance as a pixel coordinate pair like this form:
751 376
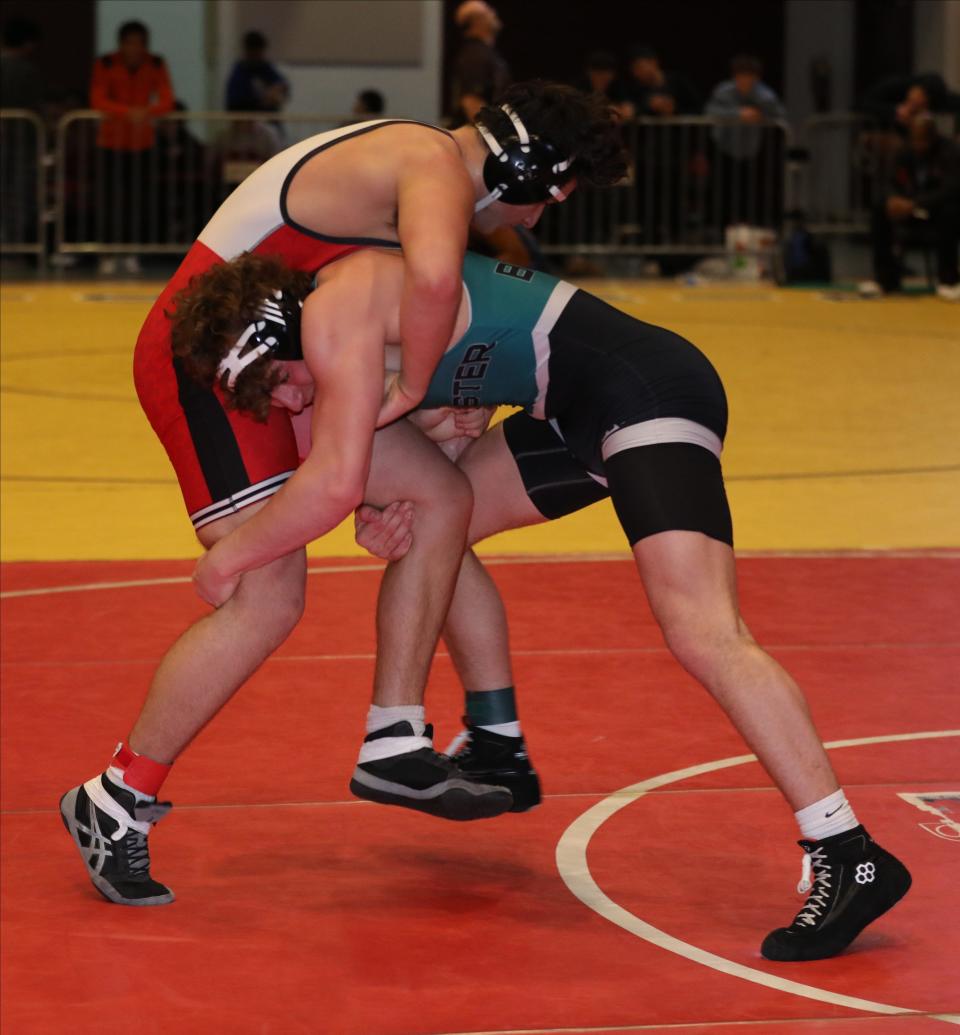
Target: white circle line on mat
572 863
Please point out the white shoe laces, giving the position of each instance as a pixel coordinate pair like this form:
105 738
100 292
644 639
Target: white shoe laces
458 741
815 864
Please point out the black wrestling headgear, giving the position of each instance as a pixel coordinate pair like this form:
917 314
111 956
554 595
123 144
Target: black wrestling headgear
522 168
276 330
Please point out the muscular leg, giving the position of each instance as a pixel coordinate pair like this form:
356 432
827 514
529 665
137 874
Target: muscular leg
476 632
416 590
690 582
217 654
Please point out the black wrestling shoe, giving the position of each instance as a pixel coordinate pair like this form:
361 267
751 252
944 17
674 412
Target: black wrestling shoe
494 758
427 781
110 831
854 882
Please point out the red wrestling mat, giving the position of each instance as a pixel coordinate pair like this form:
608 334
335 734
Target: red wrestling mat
300 910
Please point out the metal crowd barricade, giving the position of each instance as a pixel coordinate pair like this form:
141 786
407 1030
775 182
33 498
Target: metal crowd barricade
690 178
22 183
155 200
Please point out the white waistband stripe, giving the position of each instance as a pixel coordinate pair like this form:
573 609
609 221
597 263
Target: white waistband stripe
239 500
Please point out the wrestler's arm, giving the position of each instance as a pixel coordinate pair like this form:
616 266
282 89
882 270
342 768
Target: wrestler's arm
343 335
434 207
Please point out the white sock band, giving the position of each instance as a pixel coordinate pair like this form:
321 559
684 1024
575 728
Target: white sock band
824 818
380 718
386 747
505 729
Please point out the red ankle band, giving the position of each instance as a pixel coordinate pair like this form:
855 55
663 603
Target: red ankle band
139 771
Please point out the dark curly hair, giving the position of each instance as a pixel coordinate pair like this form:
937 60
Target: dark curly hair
576 123
211 312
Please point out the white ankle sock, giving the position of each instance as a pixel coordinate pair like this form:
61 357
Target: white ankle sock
505 729
115 776
380 718
386 747
826 817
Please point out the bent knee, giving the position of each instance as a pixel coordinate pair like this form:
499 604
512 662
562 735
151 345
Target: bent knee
449 496
702 645
275 596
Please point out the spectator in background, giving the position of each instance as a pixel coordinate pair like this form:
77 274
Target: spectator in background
131 87
652 92
923 203
21 86
480 74
664 157
255 84
749 159
184 188
599 76
369 104
894 102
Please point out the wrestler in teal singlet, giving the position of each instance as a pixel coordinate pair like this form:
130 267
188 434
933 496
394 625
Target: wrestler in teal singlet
503 355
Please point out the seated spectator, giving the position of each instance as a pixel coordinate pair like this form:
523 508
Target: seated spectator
922 206
652 92
748 158
255 84
131 87
480 74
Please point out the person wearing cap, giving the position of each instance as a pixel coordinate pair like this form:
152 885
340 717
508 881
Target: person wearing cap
387 184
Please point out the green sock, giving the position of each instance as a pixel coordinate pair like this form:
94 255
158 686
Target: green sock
494 710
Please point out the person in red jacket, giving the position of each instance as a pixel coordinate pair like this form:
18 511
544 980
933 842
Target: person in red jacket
131 87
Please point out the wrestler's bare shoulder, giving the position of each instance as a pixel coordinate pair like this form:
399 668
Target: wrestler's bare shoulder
350 188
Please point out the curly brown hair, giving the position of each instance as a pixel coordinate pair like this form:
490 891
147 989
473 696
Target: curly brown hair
211 312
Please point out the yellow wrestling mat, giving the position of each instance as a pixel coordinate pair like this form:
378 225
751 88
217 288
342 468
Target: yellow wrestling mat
844 429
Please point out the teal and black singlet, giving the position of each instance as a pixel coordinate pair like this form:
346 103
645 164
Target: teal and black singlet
569 358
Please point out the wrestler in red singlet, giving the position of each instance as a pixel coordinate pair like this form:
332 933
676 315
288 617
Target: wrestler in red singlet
223 459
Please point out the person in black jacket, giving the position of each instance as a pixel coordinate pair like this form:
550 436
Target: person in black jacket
923 203
653 92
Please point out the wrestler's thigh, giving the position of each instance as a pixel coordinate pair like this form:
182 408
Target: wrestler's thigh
406 465
285 577
500 498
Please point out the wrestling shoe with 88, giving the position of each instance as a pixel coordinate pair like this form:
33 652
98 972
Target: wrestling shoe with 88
493 758
110 831
424 780
854 882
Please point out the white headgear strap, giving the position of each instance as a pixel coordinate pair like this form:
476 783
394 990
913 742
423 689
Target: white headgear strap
237 360
524 137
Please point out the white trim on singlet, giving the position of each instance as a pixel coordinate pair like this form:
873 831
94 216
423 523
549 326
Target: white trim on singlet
239 500
540 334
252 211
